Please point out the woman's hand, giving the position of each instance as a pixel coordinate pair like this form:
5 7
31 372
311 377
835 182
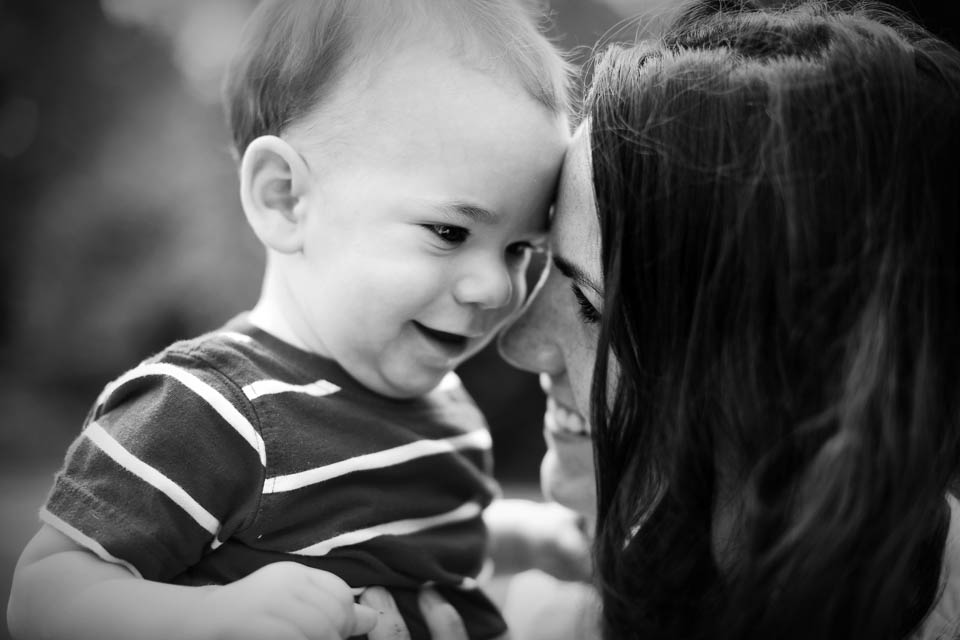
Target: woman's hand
442 619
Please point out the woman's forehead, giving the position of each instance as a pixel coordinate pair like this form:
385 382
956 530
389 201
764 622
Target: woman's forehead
575 232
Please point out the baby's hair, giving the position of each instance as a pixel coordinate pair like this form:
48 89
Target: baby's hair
294 53
780 215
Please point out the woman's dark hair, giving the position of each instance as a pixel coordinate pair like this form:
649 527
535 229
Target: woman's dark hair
779 201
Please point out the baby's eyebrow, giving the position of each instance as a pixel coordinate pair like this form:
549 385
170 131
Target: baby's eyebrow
475 213
575 273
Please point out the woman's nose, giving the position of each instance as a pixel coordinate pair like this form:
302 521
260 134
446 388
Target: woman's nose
487 284
530 343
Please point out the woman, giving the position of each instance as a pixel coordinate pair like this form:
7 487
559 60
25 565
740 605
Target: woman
756 301
757 235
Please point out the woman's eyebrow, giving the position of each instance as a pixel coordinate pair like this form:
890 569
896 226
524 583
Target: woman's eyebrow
575 273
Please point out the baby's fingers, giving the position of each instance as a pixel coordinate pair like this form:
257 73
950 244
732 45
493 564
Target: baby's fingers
389 623
364 620
442 619
334 600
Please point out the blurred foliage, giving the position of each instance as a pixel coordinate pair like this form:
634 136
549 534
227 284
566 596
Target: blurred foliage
122 229
121 225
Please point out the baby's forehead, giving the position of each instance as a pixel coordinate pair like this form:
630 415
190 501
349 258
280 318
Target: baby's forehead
420 106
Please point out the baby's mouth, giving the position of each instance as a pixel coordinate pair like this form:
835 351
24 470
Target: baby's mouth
449 339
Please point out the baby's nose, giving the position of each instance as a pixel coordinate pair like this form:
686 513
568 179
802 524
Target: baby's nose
488 286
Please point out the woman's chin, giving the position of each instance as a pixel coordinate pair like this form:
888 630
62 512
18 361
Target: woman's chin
566 474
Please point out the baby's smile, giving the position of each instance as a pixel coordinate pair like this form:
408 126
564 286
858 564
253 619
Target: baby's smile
448 340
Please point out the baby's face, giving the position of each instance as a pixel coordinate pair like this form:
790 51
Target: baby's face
421 221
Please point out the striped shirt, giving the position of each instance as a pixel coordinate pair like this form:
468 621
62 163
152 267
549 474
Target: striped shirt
234 450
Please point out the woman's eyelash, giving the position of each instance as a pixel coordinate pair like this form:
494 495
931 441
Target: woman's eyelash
588 313
448 234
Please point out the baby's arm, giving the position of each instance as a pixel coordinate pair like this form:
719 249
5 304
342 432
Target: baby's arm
525 534
61 590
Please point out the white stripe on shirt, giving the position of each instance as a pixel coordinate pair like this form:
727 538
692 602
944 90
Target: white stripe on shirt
464 512
259 388
99 436
477 439
210 395
236 336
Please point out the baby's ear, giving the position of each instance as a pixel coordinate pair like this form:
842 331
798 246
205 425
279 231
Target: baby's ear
273 178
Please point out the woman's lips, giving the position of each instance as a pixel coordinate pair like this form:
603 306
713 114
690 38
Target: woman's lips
559 420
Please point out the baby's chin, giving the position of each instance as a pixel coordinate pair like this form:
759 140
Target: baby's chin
566 475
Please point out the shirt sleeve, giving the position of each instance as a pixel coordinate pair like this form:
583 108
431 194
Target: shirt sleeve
170 463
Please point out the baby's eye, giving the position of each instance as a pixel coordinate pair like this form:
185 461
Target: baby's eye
449 234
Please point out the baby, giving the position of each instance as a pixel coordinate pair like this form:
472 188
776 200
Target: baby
397 162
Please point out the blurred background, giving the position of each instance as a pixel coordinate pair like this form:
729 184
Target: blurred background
120 224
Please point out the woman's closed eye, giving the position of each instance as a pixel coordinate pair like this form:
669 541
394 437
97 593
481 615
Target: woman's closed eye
448 234
587 312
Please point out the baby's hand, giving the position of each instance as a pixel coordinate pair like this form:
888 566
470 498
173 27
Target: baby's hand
539 535
539 607
282 601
